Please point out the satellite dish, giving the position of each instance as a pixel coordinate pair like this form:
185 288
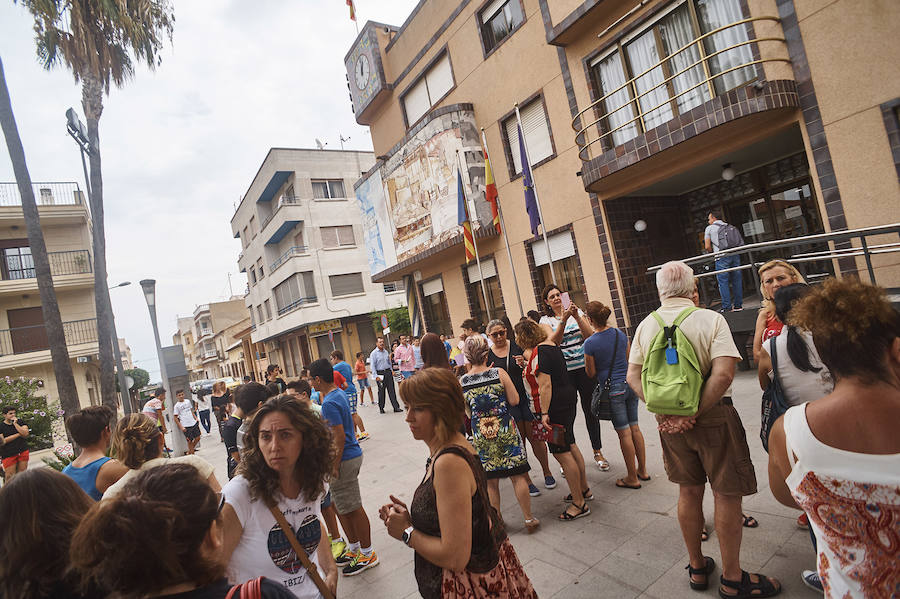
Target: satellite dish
129 381
319 144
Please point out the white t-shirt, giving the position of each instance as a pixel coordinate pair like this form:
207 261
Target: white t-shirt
264 550
203 467
184 411
799 386
203 402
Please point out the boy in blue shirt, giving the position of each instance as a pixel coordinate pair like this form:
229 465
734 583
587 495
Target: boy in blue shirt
338 363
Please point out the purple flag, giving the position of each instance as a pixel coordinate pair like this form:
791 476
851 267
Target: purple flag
530 201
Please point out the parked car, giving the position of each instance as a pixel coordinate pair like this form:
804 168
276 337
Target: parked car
203 385
230 382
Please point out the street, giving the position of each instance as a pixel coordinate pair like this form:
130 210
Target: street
630 545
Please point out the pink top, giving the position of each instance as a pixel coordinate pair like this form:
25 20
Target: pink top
405 357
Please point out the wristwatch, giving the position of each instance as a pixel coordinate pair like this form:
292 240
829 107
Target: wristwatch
407 535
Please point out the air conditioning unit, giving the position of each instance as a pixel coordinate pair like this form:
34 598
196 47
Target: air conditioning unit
83 359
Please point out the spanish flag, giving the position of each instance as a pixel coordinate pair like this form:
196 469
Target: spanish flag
490 190
463 215
352 10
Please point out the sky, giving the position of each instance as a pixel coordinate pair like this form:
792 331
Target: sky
181 145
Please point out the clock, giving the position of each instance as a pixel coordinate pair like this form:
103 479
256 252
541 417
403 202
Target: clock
361 72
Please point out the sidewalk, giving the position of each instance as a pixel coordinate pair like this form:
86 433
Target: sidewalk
630 545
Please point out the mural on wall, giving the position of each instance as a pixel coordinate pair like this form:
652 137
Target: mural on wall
410 203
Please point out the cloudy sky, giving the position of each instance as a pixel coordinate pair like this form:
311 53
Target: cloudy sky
181 145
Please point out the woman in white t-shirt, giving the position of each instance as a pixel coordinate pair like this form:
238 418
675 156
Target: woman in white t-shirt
204 407
287 453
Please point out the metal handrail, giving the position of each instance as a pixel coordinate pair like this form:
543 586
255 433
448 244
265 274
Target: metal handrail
296 304
582 131
297 250
282 201
67 262
34 337
61 194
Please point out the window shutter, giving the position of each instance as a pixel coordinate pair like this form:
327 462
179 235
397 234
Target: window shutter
537 134
439 78
308 289
346 284
416 102
433 286
561 246
488 267
492 9
345 235
329 237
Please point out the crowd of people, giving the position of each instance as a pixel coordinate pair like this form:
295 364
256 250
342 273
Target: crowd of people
481 402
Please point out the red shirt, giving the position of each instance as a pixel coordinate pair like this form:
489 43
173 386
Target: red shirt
360 369
773 327
339 380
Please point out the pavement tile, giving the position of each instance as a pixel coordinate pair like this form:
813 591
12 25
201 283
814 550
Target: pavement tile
546 578
595 585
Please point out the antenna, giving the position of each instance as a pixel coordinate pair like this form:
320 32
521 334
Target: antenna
343 139
320 145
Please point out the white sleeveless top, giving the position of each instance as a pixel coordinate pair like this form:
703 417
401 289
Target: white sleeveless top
853 504
799 386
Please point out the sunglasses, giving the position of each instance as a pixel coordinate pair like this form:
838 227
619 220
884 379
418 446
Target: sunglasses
221 503
496 334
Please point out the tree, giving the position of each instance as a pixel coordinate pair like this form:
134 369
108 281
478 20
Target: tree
59 353
398 320
141 377
96 40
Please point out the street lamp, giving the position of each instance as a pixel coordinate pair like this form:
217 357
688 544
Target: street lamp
149 288
117 354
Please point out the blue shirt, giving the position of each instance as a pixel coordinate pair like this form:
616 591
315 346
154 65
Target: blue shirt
335 411
86 476
600 347
417 352
380 359
448 348
347 373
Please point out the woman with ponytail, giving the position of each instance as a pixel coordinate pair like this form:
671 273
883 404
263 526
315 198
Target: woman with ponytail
138 444
161 536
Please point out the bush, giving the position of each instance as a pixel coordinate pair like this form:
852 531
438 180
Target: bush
31 409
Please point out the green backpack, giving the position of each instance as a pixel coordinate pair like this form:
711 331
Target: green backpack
671 374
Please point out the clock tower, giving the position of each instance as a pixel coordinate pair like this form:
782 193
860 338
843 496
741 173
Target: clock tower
365 72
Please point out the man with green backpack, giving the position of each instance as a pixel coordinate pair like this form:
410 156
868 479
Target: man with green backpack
682 364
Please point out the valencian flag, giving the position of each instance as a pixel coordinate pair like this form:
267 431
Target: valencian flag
352 10
463 213
490 190
530 202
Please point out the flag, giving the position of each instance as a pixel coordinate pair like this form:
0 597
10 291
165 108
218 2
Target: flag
352 10
463 213
490 190
530 201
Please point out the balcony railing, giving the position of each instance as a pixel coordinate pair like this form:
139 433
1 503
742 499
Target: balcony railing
296 250
283 201
593 132
45 194
71 262
296 304
22 340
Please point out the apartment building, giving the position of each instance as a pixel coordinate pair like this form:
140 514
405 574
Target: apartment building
205 337
640 117
304 252
24 348
125 351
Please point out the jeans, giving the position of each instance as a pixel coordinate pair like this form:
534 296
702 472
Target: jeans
204 418
387 382
730 283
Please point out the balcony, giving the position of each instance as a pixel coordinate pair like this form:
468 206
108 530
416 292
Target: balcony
27 342
57 203
297 250
208 355
297 304
707 84
283 201
289 213
68 269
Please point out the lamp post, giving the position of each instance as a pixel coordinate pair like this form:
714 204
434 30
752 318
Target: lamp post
117 354
149 288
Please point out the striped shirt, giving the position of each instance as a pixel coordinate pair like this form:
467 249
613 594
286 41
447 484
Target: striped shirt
572 344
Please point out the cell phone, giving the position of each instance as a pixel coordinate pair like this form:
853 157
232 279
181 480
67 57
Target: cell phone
566 301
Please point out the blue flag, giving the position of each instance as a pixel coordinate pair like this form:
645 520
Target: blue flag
530 201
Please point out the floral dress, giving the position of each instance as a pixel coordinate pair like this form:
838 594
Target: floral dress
496 438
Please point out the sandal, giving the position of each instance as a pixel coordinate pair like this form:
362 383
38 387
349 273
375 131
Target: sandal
644 478
704 534
601 462
708 568
623 485
583 510
749 521
531 524
747 589
586 494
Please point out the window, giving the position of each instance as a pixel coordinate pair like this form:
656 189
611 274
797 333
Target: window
294 291
268 310
341 236
428 89
434 307
669 70
259 267
325 190
346 284
252 272
259 313
395 286
491 286
253 226
498 21
245 238
565 265
18 263
537 134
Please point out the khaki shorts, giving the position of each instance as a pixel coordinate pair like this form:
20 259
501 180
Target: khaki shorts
715 450
345 488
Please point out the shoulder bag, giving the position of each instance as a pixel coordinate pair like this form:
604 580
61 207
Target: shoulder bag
311 569
774 403
252 589
600 404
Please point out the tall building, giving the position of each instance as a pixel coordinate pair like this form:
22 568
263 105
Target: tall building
206 336
639 118
304 252
24 348
125 351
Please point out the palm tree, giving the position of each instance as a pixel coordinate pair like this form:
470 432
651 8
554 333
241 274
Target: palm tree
59 353
96 40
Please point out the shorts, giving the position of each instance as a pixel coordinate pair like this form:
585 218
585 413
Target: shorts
351 399
715 450
624 405
565 417
345 488
14 459
192 432
363 383
326 501
407 373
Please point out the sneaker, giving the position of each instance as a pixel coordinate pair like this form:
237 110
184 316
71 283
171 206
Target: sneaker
803 521
346 557
549 482
812 580
360 563
337 549
737 309
362 436
533 490
562 473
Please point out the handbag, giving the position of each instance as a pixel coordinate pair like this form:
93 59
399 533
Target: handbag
601 407
773 402
312 570
247 590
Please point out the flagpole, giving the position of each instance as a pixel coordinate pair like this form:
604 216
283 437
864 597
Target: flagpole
505 236
537 199
487 306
